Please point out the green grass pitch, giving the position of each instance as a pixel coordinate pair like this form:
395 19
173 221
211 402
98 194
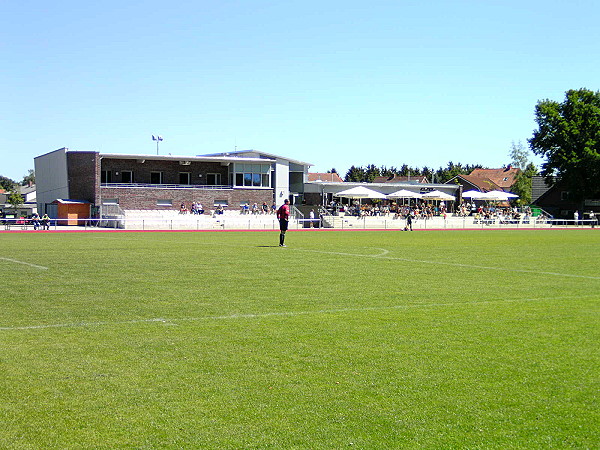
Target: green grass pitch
361 339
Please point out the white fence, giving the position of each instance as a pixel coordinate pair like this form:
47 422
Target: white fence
235 221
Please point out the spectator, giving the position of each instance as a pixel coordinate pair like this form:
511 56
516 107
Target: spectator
35 219
45 222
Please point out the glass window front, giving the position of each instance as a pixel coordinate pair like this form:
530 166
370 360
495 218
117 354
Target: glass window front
252 175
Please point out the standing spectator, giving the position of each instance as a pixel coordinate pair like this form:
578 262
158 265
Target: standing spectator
283 214
593 219
576 217
311 216
409 218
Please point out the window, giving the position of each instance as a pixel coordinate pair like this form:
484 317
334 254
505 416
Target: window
163 202
126 176
156 177
110 201
564 195
105 176
223 203
184 178
213 179
252 175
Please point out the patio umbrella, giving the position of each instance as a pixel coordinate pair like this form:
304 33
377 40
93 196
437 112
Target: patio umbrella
438 195
472 194
497 195
360 192
404 193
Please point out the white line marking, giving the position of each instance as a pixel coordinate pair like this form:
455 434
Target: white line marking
173 321
24 263
443 263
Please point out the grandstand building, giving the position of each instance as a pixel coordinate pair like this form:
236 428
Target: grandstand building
156 182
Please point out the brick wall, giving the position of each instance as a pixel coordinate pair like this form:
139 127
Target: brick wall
81 171
146 198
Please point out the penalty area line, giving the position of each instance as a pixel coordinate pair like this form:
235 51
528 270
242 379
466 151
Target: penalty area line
16 261
444 263
173 321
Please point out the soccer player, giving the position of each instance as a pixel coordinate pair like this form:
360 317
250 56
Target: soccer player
283 214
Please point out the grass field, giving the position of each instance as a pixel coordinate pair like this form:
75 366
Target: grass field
363 339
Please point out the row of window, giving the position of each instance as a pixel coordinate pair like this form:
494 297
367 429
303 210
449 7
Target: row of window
247 179
106 176
164 202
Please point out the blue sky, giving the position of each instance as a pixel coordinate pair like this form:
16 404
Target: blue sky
327 82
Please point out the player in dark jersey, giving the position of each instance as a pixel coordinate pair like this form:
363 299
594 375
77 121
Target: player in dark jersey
283 214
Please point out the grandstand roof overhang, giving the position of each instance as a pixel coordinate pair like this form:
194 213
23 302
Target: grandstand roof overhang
207 158
262 155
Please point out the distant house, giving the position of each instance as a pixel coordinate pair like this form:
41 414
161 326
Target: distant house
485 180
329 177
28 206
402 179
554 197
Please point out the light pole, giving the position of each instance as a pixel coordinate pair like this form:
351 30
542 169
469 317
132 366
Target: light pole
157 139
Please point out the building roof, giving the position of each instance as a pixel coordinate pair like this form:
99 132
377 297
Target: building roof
202 158
504 177
482 184
401 179
539 187
331 177
240 154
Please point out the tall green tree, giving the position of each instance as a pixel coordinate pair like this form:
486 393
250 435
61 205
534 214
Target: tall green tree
568 136
6 183
356 174
519 155
29 178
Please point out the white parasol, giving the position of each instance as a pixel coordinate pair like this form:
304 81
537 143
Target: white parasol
360 192
438 195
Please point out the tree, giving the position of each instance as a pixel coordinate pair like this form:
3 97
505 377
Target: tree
29 178
569 138
519 155
356 174
6 183
15 199
522 184
371 172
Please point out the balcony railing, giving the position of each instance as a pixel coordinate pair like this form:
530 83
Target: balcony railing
165 186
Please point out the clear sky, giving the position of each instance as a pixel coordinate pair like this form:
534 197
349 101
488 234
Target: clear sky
333 83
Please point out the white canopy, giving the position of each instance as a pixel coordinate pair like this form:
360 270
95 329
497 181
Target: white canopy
404 193
360 192
498 195
438 195
472 194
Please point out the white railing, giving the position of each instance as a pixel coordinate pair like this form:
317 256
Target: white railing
269 222
166 186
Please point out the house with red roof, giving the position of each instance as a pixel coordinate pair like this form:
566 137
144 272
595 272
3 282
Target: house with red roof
485 180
